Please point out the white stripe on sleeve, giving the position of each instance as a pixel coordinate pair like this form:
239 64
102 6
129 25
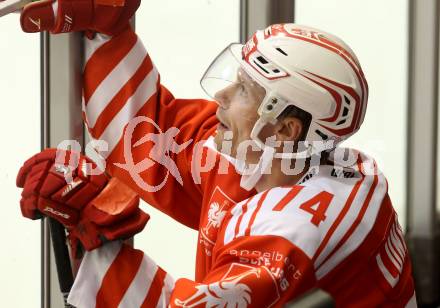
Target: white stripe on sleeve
113 132
140 285
114 81
391 280
91 273
412 303
168 287
92 45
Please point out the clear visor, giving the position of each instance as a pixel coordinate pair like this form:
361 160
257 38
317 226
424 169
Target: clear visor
227 78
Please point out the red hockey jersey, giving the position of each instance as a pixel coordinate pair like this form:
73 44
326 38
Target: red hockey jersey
336 229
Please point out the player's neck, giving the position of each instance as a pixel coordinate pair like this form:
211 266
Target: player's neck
278 177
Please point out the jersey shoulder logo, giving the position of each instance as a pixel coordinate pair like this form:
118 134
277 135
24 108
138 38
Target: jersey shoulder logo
216 214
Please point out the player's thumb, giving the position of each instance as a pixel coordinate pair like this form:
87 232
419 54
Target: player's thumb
38 16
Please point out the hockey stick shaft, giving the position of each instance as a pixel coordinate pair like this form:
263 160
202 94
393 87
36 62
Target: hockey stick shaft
62 258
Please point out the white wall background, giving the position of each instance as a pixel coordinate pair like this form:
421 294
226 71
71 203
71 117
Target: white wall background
377 32
182 37
20 138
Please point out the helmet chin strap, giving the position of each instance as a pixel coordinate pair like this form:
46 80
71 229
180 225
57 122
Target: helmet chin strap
250 177
298 155
311 147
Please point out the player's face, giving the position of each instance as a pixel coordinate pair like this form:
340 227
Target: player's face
237 112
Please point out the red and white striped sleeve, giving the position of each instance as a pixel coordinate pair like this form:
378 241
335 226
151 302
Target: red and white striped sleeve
253 272
117 275
125 105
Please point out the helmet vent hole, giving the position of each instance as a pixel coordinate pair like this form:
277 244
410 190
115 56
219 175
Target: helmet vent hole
281 51
262 60
262 68
345 112
346 100
321 134
265 67
341 122
267 31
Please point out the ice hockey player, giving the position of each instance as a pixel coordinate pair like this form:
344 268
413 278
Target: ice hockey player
267 232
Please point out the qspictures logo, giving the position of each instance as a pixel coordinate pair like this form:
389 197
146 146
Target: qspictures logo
163 149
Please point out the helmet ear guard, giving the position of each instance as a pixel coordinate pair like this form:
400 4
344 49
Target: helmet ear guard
271 107
269 111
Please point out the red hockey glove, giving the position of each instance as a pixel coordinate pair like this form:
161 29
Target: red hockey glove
59 16
93 209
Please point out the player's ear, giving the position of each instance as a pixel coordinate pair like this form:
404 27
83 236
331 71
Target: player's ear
289 129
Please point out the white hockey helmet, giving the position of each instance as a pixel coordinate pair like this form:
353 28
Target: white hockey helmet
300 66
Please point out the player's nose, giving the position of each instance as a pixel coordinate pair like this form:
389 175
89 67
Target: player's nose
224 96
